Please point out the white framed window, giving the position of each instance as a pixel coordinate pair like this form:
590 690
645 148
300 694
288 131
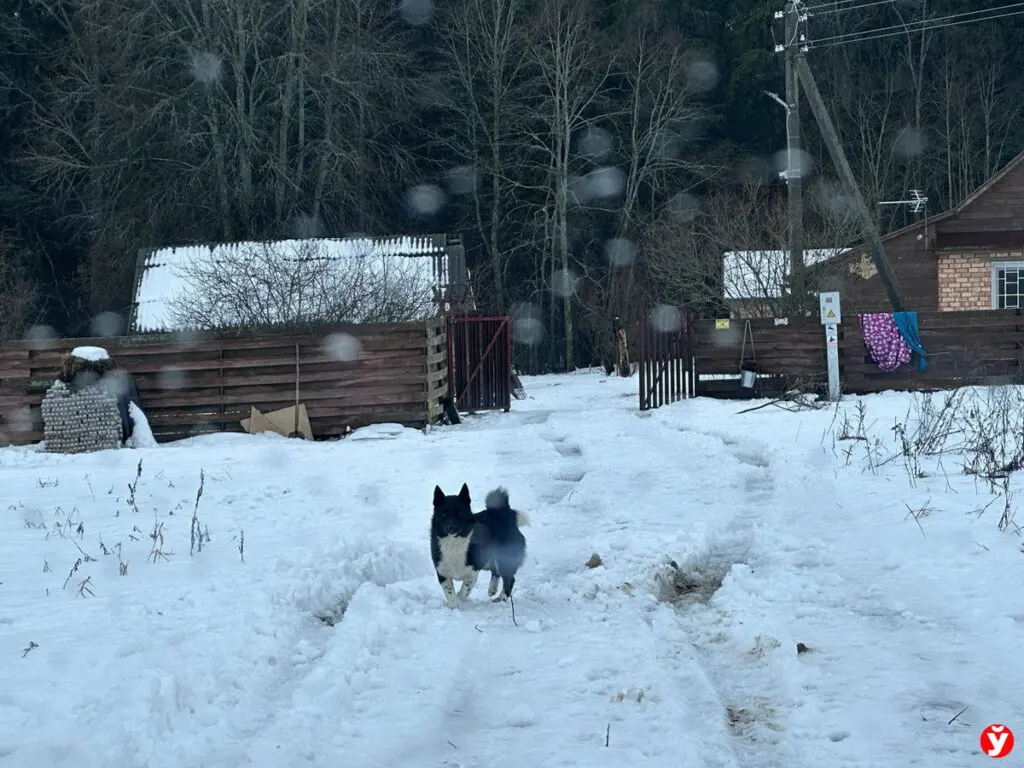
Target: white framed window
1008 285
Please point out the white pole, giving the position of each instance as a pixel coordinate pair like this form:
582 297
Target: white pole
832 354
831 317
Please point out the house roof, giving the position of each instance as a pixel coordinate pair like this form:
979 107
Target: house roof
762 274
964 204
162 275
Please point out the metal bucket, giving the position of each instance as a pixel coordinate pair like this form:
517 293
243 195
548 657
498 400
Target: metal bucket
748 375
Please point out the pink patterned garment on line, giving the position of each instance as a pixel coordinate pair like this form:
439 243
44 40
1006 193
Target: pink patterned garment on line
884 340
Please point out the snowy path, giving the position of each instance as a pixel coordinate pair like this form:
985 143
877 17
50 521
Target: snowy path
214 662
906 629
596 666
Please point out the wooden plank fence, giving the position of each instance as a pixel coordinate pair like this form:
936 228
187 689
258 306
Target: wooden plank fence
964 348
207 382
786 356
979 347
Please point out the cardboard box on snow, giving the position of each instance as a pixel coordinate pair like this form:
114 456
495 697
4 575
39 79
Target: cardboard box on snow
281 421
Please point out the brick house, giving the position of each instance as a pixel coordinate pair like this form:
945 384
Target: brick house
970 257
981 280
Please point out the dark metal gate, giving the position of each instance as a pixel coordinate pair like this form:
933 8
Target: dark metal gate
480 363
665 357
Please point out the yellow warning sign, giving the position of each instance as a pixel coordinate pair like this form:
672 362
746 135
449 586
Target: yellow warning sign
722 324
830 313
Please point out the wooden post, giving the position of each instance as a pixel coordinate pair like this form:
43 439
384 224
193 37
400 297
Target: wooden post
624 366
794 173
835 149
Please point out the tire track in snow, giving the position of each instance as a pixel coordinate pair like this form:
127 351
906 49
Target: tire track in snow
592 659
402 681
735 677
300 634
754 711
749 703
380 682
747 717
551 691
745 662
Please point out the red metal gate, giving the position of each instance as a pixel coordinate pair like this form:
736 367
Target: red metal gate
480 363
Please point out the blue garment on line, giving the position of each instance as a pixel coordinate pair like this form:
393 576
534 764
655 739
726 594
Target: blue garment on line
906 322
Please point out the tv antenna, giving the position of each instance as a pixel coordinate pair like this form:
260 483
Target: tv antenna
917 201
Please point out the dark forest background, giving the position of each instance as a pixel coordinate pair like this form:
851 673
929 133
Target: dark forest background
604 151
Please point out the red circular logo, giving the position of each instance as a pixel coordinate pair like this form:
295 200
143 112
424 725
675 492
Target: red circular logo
997 741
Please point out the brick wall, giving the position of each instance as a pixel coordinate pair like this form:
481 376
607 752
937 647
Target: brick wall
965 281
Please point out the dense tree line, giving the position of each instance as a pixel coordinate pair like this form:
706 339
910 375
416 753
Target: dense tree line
595 155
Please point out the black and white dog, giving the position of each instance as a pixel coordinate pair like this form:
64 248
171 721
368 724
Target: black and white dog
462 543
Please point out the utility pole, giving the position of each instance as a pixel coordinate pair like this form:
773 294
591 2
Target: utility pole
794 173
835 150
794 48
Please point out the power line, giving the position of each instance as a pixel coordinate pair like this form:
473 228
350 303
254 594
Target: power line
795 16
827 8
869 36
940 22
832 4
977 16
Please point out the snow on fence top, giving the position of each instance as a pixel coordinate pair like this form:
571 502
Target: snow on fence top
762 274
93 354
167 275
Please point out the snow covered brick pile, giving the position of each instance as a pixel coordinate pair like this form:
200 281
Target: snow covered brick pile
80 409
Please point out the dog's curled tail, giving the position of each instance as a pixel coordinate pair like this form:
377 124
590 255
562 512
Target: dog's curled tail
498 499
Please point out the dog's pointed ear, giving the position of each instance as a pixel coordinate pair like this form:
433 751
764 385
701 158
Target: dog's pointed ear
438 496
464 494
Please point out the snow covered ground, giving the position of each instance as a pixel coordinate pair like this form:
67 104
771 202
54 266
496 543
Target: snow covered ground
329 646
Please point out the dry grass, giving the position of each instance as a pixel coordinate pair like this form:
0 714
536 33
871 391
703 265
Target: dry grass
691 583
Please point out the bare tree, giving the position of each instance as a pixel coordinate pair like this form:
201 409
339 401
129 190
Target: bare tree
929 108
659 111
196 121
289 283
572 65
877 91
488 87
971 95
296 103
363 94
734 253
20 300
76 150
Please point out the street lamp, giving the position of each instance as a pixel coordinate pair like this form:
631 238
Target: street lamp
791 171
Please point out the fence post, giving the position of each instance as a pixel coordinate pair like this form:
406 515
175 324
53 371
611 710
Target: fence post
642 353
690 364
